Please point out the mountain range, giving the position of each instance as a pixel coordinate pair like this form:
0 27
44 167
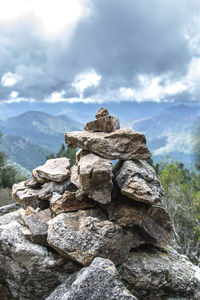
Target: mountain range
31 136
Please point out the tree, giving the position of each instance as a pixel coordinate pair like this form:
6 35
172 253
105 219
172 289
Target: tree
182 201
65 152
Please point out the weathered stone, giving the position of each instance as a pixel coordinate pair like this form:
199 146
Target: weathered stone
123 143
28 197
102 112
85 234
99 281
94 178
104 124
36 223
154 274
56 170
51 187
9 208
137 180
30 271
32 184
68 203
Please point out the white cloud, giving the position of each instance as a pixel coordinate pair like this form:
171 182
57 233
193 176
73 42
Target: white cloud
54 14
86 79
14 94
10 79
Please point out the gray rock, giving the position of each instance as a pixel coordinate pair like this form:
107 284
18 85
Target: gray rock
37 226
103 124
51 187
56 170
94 178
29 271
156 274
85 234
137 180
9 208
102 112
123 143
99 281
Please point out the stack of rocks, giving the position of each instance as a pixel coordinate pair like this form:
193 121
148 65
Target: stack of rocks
94 215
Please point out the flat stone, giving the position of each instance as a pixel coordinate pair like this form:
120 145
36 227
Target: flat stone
86 234
30 271
102 112
69 203
103 124
94 178
97 282
154 274
122 144
9 208
28 197
137 180
56 170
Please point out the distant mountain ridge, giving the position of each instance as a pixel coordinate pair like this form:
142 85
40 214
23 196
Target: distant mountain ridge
41 128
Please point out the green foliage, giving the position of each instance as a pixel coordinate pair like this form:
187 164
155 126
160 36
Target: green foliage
8 174
65 152
182 201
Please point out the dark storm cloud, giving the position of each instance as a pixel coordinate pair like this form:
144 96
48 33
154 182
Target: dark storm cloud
120 40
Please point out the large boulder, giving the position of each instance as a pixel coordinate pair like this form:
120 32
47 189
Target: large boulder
99 281
123 143
30 271
94 177
56 170
104 124
137 180
86 234
154 274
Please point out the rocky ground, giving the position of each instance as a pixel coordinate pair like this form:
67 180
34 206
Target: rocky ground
93 231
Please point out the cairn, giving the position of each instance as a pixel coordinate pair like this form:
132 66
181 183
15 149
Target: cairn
95 209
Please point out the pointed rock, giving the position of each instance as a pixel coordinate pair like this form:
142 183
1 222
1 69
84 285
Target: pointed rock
85 234
137 180
98 281
123 143
102 112
56 170
103 124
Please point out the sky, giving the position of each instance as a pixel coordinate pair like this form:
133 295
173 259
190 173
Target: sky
97 51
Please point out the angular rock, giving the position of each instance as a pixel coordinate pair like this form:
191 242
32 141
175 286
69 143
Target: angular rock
29 271
154 274
28 197
152 224
99 281
85 234
56 170
103 124
69 203
102 112
36 226
9 208
51 187
94 178
32 184
137 180
123 143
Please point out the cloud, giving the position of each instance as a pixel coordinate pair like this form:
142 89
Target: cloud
10 79
111 51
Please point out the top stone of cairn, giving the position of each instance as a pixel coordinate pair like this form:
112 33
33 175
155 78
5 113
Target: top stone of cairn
104 137
103 123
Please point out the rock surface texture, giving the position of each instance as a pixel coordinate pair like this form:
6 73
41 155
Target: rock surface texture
93 231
